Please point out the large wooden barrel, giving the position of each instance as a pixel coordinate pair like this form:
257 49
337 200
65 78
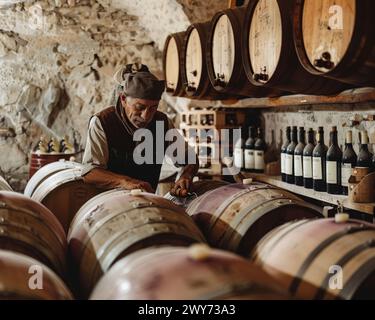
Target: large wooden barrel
174 75
16 280
237 216
269 56
185 274
30 228
64 193
335 38
4 185
309 255
46 171
224 58
194 64
117 223
38 161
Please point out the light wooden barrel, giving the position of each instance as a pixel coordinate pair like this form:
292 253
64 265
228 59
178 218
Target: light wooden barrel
224 57
174 76
15 277
30 228
269 56
38 161
46 171
335 38
116 223
175 273
4 185
237 216
304 256
64 193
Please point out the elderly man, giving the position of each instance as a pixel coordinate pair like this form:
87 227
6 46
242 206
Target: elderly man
109 154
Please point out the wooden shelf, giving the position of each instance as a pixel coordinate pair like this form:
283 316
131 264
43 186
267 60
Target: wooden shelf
368 208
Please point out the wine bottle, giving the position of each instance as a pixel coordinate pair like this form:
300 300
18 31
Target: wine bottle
289 168
307 160
319 162
283 154
259 147
349 161
333 164
239 152
53 146
298 157
364 156
42 146
249 151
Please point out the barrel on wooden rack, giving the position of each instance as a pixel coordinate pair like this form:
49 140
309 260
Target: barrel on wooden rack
15 279
269 56
308 255
4 185
30 228
64 193
245 213
119 222
38 160
224 57
335 38
174 75
186 273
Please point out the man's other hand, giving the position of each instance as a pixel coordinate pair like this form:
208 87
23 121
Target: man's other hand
181 187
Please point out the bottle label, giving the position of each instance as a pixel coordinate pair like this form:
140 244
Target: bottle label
346 172
249 159
289 164
238 157
317 168
259 160
307 168
331 172
283 163
298 171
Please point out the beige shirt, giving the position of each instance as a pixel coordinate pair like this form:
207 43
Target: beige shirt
96 153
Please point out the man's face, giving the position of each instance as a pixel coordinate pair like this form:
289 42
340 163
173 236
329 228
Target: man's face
140 112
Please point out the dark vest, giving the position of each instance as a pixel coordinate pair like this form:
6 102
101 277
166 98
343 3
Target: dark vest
121 146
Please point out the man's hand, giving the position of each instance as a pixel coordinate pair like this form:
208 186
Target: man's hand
181 187
130 184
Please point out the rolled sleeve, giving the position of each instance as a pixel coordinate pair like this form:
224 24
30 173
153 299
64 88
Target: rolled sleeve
96 150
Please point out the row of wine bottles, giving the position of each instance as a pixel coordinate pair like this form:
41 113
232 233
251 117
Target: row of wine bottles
316 166
249 155
54 146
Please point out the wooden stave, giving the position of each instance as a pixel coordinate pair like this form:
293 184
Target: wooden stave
313 85
88 231
238 83
346 71
239 230
33 230
180 88
303 285
4 185
15 277
223 276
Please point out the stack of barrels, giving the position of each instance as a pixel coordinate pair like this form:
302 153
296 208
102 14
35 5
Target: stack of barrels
270 48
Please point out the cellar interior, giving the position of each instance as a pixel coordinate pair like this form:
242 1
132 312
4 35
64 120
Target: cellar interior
274 98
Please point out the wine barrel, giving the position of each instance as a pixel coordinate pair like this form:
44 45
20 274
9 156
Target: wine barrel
174 76
306 254
64 193
335 38
187 275
269 56
197 189
194 64
224 58
117 223
46 171
30 228
244 214
16 280
38 160
4 185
